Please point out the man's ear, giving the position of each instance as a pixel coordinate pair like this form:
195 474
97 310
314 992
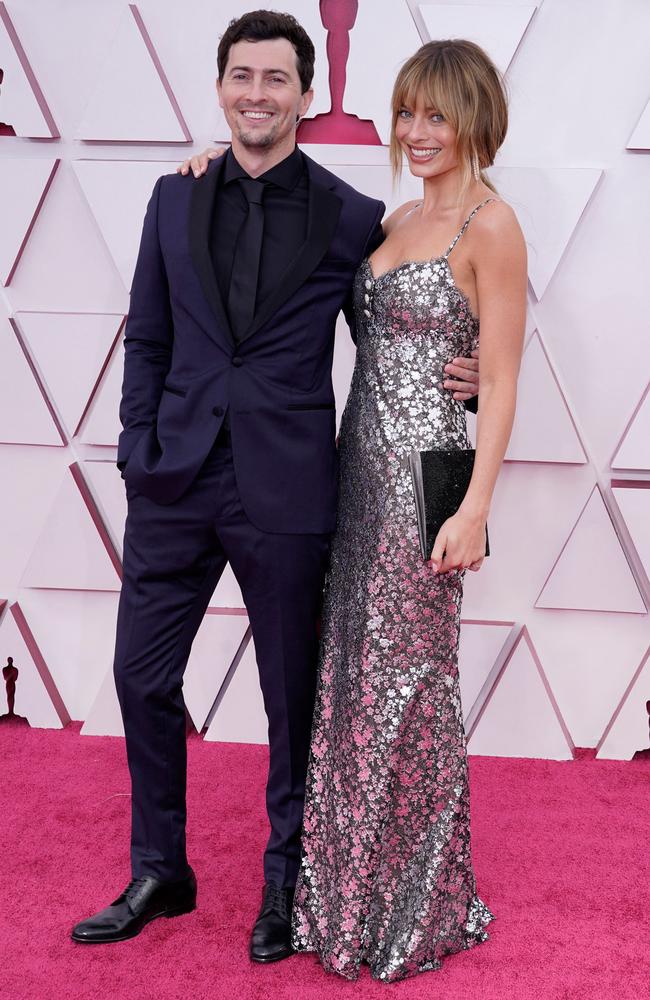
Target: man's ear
219 92
305 102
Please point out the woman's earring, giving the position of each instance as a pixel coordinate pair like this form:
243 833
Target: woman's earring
476 169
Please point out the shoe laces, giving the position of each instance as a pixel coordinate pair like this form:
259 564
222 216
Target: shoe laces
278 900
133 888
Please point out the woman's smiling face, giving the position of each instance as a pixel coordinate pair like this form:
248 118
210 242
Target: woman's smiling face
428 141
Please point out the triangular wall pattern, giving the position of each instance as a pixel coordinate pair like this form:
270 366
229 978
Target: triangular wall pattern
24 415
37 698
23 188
134 179
370 61
591 572
240 717
24 107
629 729
101 425
132 67
70 553
213 651
520 717
543 430
497 28
75 631
633 451
549 202
634 504
70 351
640 138
480 646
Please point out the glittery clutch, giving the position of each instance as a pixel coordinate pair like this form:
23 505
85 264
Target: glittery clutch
440 480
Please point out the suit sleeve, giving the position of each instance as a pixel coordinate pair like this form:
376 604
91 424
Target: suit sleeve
375 237
471 404
148 337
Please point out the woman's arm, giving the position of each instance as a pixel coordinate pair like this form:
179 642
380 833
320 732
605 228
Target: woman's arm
498 256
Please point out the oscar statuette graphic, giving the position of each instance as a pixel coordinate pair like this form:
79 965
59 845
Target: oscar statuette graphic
10 674
4 128
335 126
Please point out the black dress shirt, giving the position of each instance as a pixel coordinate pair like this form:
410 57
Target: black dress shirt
285 206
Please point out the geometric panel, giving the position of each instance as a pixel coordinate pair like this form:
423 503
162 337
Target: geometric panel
591 572
633 500
213 651
24 414
24 107
633 451
70 351
132 100
549 202
240 717
109 496
543 429
497 29
640 138
102 181
480 646
588 662
227 593
104 717
101 424
628 731
75 631
370 60
37 699
520 717
71 553
23 186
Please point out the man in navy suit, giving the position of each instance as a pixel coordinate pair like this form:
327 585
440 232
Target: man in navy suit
228 453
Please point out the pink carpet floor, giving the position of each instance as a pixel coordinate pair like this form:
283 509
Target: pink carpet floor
560 849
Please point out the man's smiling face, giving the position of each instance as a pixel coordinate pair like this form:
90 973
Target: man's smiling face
261 93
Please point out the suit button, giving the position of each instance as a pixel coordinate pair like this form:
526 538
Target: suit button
218 411
237 362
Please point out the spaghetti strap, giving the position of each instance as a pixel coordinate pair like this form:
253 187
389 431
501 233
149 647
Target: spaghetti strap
466 224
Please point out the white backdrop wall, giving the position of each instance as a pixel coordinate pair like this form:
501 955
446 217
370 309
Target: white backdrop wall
103 97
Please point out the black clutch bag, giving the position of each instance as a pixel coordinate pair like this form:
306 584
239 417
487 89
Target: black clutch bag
440 481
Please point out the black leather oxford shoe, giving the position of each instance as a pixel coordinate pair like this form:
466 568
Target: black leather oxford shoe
143 900
271 937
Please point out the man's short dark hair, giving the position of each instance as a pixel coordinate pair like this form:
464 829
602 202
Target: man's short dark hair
263 25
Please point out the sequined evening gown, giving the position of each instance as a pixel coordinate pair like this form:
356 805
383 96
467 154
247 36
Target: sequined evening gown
386 874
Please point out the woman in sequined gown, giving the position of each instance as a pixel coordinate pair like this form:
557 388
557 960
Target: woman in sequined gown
386 874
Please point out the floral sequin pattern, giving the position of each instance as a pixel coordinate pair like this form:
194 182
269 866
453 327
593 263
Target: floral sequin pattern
386 875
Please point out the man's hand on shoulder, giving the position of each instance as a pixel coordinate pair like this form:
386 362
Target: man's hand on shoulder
199 164
463 377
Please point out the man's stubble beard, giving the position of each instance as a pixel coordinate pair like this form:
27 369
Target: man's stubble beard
252 140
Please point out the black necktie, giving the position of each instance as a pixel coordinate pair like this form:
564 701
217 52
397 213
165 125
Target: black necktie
246 263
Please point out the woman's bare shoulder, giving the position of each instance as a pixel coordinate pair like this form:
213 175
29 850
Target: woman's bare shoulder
396 217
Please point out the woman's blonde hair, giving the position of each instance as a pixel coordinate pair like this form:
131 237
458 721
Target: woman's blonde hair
459 80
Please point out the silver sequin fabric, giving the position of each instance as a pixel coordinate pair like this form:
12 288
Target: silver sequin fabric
386 875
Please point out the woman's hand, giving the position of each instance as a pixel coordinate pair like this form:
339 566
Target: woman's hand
460 544
199 163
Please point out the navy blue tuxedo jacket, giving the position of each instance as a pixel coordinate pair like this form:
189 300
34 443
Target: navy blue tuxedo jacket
183 369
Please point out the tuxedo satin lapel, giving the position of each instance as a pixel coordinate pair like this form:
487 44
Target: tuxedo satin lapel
323 216
201 215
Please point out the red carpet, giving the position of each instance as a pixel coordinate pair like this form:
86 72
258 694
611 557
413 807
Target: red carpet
561 854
